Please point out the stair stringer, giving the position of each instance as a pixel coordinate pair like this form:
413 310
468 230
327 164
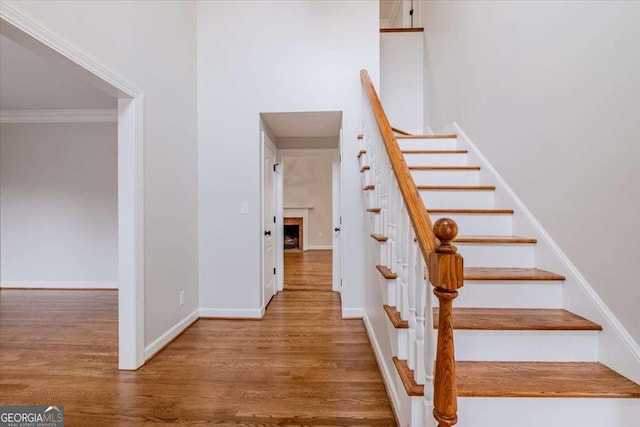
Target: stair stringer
377 327
617 349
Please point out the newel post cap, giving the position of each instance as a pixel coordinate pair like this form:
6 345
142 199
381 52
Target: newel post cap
445 265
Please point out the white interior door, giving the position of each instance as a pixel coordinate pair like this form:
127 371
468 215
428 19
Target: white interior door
269 232
336 183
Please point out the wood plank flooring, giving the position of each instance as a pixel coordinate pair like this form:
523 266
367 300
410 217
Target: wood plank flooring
308 271
301 365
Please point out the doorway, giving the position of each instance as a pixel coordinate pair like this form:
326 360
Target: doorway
127 112
308 199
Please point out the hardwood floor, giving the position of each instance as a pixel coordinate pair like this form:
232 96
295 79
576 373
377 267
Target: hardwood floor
308 271
301 365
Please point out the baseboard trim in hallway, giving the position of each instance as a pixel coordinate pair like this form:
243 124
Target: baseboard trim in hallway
352 313
232 313
170 335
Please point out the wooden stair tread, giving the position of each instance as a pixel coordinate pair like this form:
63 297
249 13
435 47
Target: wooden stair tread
444 168
374 210
487 273
530 379
494 239
386 272
471 211
395 318
361 153
369 187
456 187
435 151
379 237
542 379
444 136
402 30
365 168
406 375
531 319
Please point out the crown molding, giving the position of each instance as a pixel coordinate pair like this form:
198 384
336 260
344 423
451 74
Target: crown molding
58 116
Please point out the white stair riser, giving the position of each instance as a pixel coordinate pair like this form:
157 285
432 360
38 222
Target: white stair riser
366 178
370 199
457 199
480 224
547 412
547 346
529 294
446 177
497 255
391 292
428 144
364 161
449 159
403 343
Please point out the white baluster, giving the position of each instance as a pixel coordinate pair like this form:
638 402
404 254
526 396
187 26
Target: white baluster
411 263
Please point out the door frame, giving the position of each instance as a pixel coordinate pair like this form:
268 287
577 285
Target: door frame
26 32
336 198
295 152
266 141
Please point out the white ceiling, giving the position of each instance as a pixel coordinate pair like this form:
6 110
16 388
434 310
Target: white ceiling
316 124
30 82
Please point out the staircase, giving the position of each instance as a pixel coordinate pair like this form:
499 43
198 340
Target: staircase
522 358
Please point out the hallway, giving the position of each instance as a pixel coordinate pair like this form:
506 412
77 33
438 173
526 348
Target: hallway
307 271
301 365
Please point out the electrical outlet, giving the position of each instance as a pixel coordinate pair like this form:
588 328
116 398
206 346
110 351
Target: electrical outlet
181 298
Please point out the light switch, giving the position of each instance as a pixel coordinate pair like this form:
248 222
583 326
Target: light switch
244 208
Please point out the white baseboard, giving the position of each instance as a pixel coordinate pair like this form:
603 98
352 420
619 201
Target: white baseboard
58 285
164 339
352 313
387 376
232 313
319 247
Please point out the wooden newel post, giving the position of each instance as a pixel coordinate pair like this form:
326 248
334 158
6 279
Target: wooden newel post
445 274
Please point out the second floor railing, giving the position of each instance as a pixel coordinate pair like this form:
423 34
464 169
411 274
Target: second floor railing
417 251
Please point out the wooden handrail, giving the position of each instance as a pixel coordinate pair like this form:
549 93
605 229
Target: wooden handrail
418 214
445 265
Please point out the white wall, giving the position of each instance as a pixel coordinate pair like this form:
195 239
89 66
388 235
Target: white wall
401 79
297 56
59 205
549 92
307 182
152 45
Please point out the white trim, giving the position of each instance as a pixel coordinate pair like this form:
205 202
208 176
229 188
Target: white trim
630 368
387 377
304 152
131 312
76 284
58 45
240 313
164 339
320 247
352 313
58 116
